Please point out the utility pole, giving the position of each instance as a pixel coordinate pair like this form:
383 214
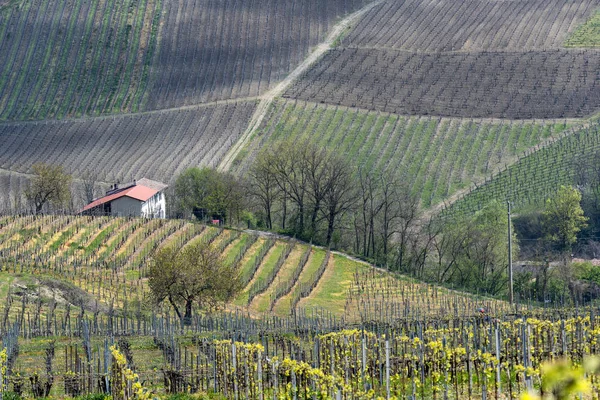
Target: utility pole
510 266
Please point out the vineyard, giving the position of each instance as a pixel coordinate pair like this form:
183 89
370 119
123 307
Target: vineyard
586 35
357 332
434 156
514 85
108 258
68 59
157 145
537 175
214 50
470 25
83 279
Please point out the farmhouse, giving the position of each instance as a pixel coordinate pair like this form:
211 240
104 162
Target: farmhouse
142 198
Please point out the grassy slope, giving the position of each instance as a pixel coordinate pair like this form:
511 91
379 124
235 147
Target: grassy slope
331 291
435 156
536 176
76 58
586 35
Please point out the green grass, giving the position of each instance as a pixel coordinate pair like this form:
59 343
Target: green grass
282 307
435 157
586 35
330 294
267 266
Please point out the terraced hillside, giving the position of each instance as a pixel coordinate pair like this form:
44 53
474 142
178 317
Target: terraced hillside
108 257
72 58
68 58
410 86
103 261
157 144
435 156
223 49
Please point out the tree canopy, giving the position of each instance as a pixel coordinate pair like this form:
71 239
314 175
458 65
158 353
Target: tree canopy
563 217
50 184
208 193
194 274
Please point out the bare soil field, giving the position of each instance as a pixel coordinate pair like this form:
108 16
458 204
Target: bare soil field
470 25
223 49
157 145
513 85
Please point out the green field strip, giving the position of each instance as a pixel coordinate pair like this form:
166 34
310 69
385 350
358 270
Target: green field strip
232 251
457 179
132 53
477 150
250 257
208 234
79 63
587 34
426 157
424 184
176 237
5 77
283 305
17 89
266 267
311 124
361 136
58 78
152 241
331 292
153 42
365 148
435 157
262 302
110 236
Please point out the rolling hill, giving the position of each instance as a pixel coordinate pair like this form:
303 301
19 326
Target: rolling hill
101 262
442 93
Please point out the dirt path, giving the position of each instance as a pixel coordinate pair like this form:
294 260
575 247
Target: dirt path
277 91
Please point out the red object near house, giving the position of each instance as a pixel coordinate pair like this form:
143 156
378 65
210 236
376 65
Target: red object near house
216 222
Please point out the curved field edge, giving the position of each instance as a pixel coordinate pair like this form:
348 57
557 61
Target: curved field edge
537 175
587 34
437 157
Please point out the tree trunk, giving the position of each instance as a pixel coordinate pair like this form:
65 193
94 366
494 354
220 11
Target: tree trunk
330 227
187 318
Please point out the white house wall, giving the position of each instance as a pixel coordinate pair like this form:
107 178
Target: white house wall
155 207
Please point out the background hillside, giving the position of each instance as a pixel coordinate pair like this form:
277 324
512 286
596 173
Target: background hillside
443 94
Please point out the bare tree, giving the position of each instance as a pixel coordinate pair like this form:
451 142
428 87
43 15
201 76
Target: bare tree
339 193
263 185
89 185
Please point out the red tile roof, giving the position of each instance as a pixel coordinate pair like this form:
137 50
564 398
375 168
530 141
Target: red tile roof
138 192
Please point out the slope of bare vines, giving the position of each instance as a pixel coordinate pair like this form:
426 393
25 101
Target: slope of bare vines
470 25
157 145
514 85
214 50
